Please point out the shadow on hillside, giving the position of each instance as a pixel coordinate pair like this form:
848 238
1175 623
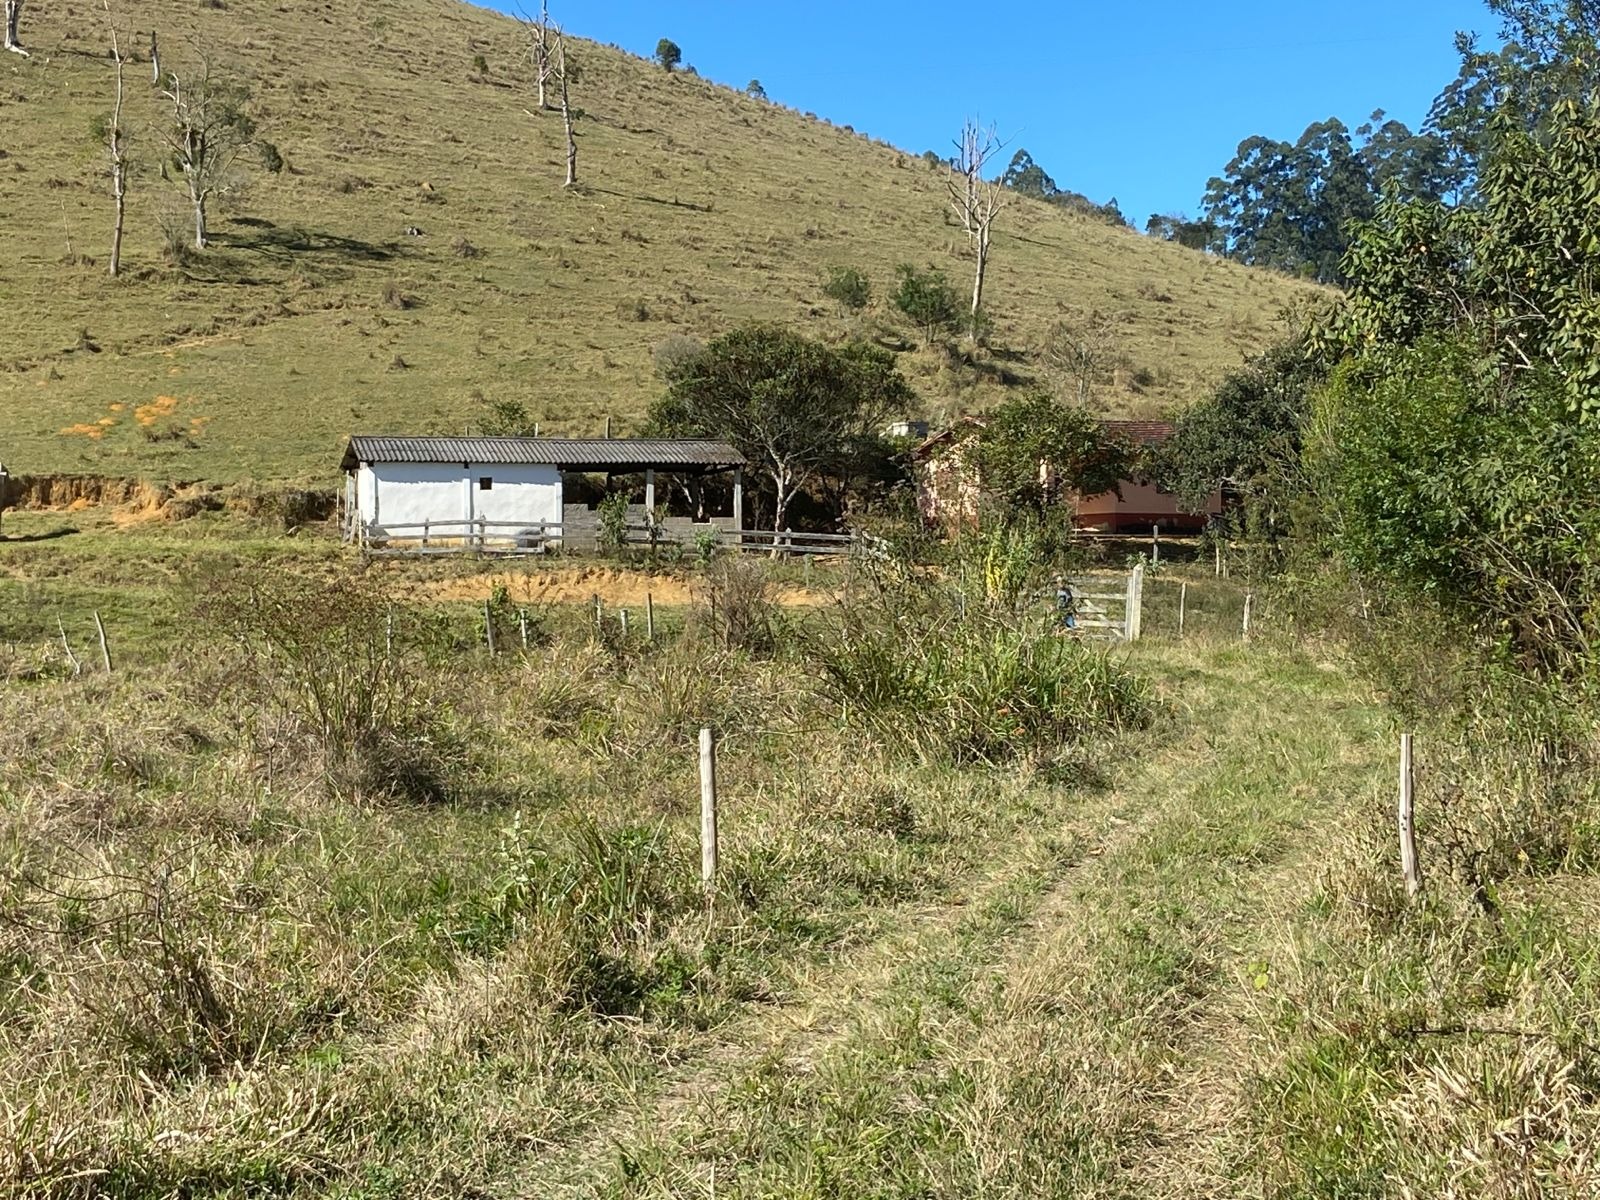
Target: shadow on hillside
293 241
673 203
50 535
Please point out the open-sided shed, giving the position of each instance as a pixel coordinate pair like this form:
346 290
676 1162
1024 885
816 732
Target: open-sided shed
483 490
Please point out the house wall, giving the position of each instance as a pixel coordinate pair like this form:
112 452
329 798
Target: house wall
1141 504
390 495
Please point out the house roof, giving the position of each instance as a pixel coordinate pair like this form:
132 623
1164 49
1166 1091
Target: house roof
684 455
1146 433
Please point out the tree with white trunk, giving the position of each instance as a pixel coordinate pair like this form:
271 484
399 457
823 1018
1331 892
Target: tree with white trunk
13 42
977 201
115 137
209 127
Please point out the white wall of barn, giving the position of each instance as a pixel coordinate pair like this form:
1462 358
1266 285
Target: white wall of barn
390 495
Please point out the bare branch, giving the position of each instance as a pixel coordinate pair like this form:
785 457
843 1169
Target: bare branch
976 200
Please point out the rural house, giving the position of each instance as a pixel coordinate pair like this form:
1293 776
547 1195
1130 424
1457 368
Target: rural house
948 486
510 492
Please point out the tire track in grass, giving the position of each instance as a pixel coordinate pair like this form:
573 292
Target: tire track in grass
1087 1045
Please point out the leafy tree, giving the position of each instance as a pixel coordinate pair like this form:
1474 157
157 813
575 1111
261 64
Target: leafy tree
1285 206
209 126
668 54
927 299
1028 178
794 407
850 287
1510 273
754 90
1033 452
507 418
1245 437
1175 227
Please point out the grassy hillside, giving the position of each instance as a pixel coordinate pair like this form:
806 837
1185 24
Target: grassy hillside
315 315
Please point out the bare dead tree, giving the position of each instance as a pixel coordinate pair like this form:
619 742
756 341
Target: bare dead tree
14 15
976 200
209 128
1081 352
539 50
117 150
564 71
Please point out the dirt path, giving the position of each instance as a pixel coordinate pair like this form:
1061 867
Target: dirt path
1208 835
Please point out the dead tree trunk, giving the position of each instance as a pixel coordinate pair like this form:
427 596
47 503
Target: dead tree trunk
976 200
13 16
566 111
117 148
541 54
155 59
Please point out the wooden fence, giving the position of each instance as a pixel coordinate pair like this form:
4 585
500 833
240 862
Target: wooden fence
534 537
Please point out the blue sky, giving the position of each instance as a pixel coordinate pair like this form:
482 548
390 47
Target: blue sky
1142 102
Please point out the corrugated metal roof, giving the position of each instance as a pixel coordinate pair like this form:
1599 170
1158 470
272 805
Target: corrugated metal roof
572 454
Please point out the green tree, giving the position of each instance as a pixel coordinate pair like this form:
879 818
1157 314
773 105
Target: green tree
1245 437
209 125
794 407
1175 227
506 418
754 90
849 287
928 300
668 54
1033 452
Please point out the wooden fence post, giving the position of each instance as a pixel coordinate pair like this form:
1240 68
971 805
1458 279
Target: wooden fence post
388 631
649 616
522 623
488 626
1155 545
622 614
1410 867
1249 599
599 615
105 646
1183 601
1217 569
708 809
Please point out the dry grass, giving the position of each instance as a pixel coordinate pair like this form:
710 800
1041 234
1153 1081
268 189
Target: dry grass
701 208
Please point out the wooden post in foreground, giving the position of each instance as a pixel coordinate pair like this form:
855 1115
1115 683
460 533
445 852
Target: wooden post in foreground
522 623
1249 599
649 616
708 809
488 626
105 646
1410 867
388 631
622 614
599 615
1155 545
1217 570
1183 601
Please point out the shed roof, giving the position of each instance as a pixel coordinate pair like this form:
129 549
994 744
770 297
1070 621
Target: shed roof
684 455
1146 433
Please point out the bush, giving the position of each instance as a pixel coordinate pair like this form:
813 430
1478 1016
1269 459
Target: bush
928 300
613 515
850 287
742 609
675 355
317 662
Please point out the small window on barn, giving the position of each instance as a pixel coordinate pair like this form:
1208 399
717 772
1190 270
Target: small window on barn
485 483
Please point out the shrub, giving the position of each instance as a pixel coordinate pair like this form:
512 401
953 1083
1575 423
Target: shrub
849 287
928 300
668 54
674 355
317 661
613 514
742 609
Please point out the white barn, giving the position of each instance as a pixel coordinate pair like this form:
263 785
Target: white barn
481 490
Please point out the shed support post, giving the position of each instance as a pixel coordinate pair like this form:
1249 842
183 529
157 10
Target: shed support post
738 502
649 496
